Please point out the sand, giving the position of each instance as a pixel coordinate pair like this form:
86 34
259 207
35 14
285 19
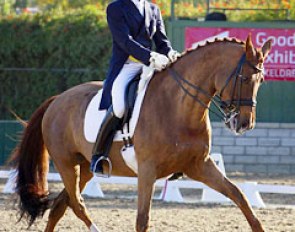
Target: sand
118 214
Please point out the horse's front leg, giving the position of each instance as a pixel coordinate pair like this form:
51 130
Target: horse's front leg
209 174
146 180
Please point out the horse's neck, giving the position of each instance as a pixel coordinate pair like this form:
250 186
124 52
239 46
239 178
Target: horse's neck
201 73
203 66
171 105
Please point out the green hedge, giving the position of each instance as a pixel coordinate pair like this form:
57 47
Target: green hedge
50 43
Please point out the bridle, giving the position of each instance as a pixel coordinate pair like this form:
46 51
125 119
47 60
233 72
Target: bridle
228 108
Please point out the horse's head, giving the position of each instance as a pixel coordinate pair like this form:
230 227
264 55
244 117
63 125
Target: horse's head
238 92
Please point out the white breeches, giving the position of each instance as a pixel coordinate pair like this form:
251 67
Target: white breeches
128 72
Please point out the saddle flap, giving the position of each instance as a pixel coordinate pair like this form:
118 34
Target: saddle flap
130 98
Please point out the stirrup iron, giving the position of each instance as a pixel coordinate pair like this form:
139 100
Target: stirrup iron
101 159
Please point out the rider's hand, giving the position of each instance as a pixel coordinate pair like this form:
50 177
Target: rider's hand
173 55
158 61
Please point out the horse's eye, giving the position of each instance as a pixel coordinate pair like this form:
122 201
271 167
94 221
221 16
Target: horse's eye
244 78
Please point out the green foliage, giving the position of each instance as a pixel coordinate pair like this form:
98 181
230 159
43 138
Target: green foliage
255 10
73 35
197 9
6 7
54 41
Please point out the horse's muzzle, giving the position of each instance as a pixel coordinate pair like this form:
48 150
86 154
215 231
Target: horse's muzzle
237 124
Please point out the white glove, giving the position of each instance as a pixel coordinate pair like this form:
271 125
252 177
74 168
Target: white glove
158 61
173 55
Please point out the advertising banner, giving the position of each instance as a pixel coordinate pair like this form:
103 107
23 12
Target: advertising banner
280 63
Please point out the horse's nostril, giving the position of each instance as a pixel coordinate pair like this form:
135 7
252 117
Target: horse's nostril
242 125
247 125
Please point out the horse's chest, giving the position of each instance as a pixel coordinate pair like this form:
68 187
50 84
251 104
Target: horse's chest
192 147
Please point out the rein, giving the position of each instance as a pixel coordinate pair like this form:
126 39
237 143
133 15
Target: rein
229 108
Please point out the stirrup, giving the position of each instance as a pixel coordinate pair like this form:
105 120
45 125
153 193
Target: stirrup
103 158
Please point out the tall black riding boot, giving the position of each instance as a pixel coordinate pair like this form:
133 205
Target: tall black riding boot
104 142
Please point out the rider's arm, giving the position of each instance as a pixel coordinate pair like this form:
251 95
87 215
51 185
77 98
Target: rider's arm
162 43
121 35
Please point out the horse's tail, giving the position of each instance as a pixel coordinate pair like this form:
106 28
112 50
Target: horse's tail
32 163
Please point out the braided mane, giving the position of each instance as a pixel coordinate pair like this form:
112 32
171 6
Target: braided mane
213 41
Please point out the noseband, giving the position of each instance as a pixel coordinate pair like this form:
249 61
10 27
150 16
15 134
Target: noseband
228 108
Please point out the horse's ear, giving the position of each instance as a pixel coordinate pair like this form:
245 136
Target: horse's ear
250 50
266 48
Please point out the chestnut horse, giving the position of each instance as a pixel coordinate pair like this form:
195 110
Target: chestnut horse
173 133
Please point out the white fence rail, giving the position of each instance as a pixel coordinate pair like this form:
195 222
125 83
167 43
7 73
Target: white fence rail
171 190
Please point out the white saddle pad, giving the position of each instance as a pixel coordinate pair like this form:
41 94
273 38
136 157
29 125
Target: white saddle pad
94 117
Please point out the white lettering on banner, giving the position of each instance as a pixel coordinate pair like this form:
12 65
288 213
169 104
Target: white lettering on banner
280 41
280 62
283 54
286 57
280 73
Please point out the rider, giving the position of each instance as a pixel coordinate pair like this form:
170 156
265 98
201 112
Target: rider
134 25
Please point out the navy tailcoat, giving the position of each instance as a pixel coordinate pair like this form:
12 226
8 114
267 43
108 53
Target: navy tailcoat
133 35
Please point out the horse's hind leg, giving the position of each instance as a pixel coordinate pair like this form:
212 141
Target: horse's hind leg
62 201
74 177
209 174
57 211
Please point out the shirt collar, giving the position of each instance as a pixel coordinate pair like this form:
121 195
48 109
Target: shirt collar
137 1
